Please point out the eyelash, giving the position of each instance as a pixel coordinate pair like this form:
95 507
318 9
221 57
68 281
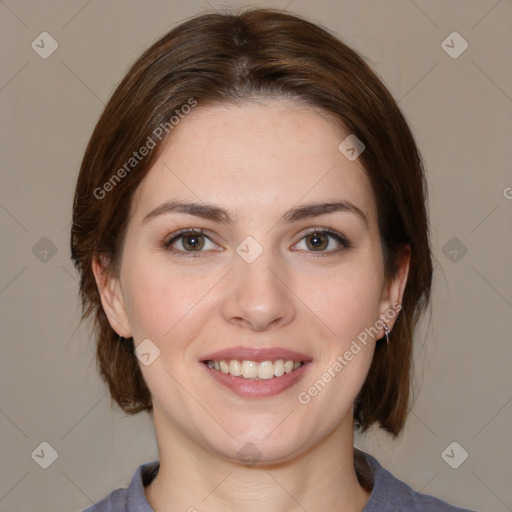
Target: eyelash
180 234
344 243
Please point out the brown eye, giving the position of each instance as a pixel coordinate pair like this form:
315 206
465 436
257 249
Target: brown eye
193 242
189 241
317 241
322 241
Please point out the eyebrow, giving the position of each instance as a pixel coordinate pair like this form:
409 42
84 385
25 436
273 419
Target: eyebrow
215 213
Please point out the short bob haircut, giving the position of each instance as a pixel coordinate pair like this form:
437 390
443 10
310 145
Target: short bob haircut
231 58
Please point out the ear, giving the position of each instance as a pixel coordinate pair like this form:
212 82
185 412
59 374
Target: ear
112 298
393 290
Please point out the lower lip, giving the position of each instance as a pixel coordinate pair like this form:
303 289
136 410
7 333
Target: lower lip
250 388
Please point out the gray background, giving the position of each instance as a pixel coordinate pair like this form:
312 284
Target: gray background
460 112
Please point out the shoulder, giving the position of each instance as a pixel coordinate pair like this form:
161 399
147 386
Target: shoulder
389 494
131 498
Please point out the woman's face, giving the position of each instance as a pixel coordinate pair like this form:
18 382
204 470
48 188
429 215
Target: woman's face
283 264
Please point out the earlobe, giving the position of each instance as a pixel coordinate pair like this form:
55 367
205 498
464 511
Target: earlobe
112 299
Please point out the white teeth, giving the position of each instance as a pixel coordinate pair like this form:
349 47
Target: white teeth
224 367
279 368
235 368
266 370
263 370
249 369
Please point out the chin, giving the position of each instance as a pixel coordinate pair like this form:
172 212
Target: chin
256 447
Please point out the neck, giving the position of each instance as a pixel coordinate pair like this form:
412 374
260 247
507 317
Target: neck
191 478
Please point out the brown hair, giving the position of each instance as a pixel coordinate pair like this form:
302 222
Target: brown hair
226 58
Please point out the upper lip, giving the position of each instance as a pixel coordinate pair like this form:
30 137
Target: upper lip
256 354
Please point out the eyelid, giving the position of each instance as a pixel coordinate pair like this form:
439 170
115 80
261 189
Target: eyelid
182 232
341 239
173 237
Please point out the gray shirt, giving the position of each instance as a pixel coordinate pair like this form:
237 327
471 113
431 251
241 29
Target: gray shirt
388 494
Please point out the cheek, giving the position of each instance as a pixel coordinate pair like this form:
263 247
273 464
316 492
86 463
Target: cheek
163 299
347 300
160 299
349 307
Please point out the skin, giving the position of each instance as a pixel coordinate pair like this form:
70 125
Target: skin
257 161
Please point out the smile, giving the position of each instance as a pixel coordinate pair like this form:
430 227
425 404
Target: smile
262 370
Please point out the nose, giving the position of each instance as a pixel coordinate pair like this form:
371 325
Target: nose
257 297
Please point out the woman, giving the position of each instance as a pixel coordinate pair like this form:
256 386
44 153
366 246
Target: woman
251 232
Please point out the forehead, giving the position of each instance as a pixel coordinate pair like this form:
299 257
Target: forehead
267 156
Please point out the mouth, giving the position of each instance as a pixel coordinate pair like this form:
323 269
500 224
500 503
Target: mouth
256 373
247 369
